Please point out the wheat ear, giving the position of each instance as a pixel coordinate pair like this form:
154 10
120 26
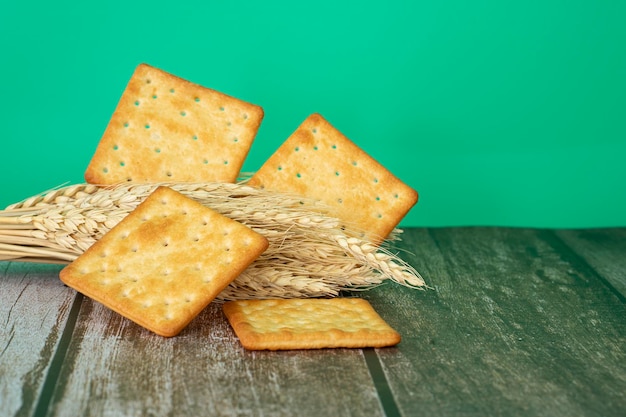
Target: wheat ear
310 254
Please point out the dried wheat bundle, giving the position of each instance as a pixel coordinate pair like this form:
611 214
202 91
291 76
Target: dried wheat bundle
310 254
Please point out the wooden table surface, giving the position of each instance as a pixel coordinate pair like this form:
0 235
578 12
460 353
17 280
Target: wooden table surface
518 322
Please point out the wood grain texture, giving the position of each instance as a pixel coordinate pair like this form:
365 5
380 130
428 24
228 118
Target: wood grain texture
114 367
603 249
518 322
34 306
511 327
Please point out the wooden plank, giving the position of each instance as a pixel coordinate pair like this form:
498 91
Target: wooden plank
34 308
511 327
604 250
114 367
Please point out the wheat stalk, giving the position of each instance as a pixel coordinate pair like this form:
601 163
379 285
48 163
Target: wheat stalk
311 254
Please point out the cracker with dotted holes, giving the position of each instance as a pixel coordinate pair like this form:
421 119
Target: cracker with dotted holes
318 161
165 261
308 324
168 129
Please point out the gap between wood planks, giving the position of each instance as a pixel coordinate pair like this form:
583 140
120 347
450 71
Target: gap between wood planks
388 403
575 259
47 390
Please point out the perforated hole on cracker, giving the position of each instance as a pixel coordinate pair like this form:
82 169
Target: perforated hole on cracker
319 162
165 261
165 128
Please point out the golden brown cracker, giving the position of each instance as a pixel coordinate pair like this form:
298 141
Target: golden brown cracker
168 129
308 324
319 162
165 261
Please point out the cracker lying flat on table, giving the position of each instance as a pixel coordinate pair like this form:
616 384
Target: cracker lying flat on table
165 261
308 324
319 162
168 129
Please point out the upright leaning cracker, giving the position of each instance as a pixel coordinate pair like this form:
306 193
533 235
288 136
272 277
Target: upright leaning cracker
318 161
168 129
308 324
165 261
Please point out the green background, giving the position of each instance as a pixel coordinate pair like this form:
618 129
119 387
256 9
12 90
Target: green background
498 113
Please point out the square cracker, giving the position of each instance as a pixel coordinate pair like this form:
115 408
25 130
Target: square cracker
167 129
165 261
318 161
308 324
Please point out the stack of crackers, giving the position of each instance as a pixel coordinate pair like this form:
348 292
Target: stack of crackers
171 256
